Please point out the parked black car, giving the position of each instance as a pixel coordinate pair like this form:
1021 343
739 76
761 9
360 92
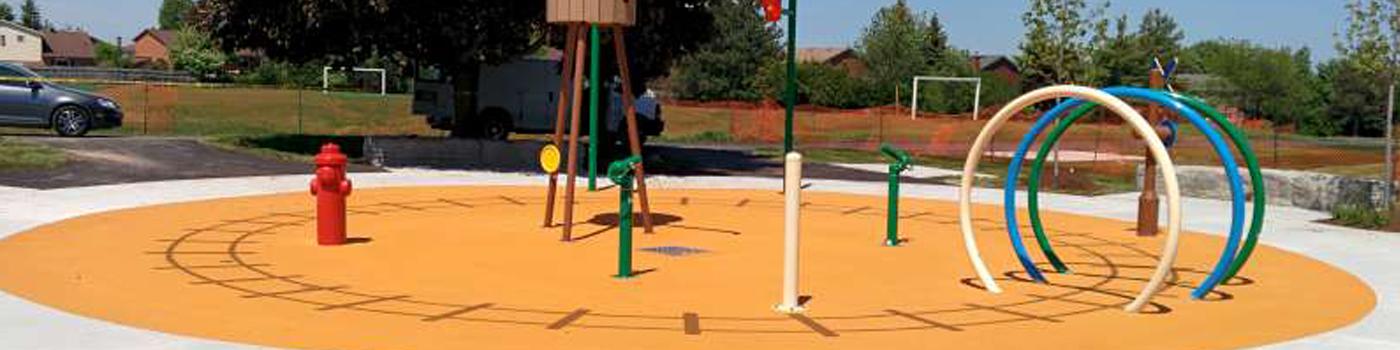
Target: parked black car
26 100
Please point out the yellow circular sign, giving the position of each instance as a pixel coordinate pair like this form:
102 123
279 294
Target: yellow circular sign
549 159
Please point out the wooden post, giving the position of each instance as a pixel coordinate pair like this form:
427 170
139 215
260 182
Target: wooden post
578 15
1149 202
567 68
576 96
633 139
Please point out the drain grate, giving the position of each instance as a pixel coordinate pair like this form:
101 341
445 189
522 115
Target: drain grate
674 250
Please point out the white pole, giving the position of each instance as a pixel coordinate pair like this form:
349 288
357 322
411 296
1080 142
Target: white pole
791 221
914 106
977 100
383 82
1390 148
325 79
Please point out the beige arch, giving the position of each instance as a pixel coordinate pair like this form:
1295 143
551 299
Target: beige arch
1139 125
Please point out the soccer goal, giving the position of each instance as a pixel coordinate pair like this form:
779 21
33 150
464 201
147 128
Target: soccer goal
327 71
976 97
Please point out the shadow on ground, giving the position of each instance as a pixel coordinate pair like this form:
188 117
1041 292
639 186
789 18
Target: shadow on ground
94 161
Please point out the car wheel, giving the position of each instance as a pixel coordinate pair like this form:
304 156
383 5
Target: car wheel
620 143
71 121
496 127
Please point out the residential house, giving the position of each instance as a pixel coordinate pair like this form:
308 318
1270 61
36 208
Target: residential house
19 44
845 58
152 48
1002 66
70 48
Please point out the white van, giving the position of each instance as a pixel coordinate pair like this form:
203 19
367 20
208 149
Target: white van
520 97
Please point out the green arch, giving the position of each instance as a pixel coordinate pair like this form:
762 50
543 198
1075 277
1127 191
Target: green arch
1240 140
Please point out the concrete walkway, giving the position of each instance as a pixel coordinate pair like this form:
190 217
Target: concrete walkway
25 325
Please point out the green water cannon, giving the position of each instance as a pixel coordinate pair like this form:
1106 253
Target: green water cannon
621 173
900 162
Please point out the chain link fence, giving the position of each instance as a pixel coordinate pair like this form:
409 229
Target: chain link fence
157 108
1098 155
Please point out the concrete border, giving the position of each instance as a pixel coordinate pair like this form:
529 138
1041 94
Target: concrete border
26 325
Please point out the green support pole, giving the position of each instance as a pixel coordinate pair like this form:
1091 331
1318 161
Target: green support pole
620 172
899 162
624 236
593 88
790 96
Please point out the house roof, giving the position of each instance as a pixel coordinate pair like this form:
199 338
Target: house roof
20 27
822 54
165 37
986 62
73 44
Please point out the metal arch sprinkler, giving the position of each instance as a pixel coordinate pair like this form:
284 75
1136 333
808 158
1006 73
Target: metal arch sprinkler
1139 125
1256 178
1238 137
1227 158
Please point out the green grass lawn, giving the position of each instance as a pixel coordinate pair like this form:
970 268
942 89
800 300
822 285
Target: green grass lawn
259 118
18 155
207 111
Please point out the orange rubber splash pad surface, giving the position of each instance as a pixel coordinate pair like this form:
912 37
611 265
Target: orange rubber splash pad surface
472 267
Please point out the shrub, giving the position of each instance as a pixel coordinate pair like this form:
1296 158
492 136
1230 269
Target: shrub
1359 216
281 74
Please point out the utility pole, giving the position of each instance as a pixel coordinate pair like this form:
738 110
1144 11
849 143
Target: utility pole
1149 203
1389 176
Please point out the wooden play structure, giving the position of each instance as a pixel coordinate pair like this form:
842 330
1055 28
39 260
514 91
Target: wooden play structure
578 16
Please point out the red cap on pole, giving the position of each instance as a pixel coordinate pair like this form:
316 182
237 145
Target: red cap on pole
773 9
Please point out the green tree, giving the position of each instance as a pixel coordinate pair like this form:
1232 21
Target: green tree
900 44
196 52
1054 50
1351 95
29 15
1369 39
109 55
457 37
1159 36
728 66
7 12
1119 57
173 13
1274 83
819 84
935 43
1115 55
894 47
1369 61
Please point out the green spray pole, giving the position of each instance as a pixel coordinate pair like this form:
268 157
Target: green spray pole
899 163
620 172
593 108
791 94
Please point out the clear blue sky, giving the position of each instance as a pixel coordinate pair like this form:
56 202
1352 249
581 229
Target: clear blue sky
994 26
105 19
985 26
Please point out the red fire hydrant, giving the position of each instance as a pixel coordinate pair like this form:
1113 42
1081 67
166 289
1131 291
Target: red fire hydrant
330 188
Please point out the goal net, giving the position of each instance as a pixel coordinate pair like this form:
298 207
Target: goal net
946 93
361 80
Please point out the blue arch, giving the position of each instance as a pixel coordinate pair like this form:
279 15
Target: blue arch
1159 98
